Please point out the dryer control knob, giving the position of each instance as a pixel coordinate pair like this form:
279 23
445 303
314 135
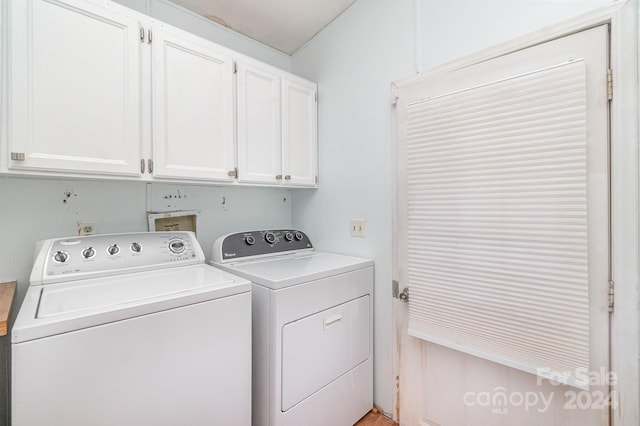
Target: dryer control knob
299 235
177 246
88 253
288 236
113 249
136 247
270 237
61 256
250 240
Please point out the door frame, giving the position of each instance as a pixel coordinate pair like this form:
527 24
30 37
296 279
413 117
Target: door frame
622 16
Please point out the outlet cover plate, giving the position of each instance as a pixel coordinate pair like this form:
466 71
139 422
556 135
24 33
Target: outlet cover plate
357 227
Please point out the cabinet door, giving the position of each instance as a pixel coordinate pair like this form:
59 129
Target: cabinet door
299 132
192 107
259 124
75 88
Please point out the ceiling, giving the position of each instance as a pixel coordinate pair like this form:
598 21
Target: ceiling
284 25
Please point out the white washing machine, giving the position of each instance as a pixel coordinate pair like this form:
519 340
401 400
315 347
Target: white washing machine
312 328
131 329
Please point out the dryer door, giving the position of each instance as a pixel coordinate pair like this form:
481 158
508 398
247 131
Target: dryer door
322 347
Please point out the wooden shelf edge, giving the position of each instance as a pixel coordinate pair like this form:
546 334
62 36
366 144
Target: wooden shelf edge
7 293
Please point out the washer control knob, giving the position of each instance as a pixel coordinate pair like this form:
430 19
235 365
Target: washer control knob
136 247
61 256
176 246
299 235
250 240
113 249
288 236
88 253
270 237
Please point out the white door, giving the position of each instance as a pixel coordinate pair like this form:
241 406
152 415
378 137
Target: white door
503 239
259 125
299 132
74 88
192 107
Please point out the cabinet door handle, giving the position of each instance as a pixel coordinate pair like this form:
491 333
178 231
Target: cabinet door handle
149 36
287 177
279 177
142 166
150 162
142 34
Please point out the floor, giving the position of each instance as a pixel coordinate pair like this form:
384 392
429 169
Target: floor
372 419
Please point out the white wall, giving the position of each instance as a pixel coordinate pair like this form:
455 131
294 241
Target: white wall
455 28
35 209
354 60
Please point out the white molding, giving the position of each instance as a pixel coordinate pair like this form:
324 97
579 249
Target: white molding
625 334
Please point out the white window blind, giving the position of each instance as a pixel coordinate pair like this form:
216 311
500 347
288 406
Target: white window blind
497 257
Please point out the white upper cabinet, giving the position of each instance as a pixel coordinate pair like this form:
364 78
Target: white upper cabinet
193 128
299 132
75 99
276 127
97 89
259 125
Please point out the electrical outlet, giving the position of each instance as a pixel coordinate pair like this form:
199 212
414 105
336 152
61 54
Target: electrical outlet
357 228
87 227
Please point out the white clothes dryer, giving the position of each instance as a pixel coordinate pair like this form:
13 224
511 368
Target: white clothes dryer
131 329
312 328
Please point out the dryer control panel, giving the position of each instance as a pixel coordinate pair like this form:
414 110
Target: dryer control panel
253 244
67 259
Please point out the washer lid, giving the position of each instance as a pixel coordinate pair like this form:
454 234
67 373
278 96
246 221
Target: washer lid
63 307
132 288
287 270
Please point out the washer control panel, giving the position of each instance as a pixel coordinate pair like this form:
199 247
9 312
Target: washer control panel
65 259
251 244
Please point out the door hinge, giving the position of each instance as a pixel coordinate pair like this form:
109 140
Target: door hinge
611 295
609 84
150 165
233 173
235 68
17 156
149 36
